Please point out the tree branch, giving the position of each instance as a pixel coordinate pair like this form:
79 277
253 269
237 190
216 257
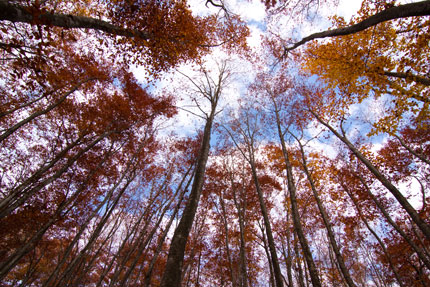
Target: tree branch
402 11
409 76
33 16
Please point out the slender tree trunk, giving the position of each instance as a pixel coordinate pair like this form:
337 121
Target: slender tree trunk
269 259
422 225
300 277
82 228
27 193
377 273
139 241
270 239
381 243
13 260
226 241
17 195
133 234
287 257
421 254
24 250
294 208
142 245
147 278
94 236
326 220
334 267
84 266
37 114
241 209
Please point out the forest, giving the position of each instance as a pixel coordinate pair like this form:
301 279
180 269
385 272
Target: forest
238 143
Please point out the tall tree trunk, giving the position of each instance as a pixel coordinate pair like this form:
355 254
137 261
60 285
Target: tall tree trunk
270 239
294 208
172 272
288 254
226 241
287 257
147 278
422 225
26 193
142 245
85 224
300 277
241 209
269 259
94 236
64 208
18 195
326 221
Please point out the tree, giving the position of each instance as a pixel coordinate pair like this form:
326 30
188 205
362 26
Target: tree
210 90
65 175
318 175
274 91
244 136
367 65
160 35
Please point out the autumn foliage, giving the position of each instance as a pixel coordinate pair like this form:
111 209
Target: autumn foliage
318 175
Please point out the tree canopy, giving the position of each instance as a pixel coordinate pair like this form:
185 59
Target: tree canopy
220 143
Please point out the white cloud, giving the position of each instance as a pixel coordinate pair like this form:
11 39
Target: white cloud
254 40
348 8
250 11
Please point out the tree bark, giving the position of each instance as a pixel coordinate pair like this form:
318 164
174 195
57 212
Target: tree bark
402 11
148 275
409 76
294 208
172 272
31 15
270 239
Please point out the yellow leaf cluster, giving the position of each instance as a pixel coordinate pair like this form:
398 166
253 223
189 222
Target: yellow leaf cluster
391 58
